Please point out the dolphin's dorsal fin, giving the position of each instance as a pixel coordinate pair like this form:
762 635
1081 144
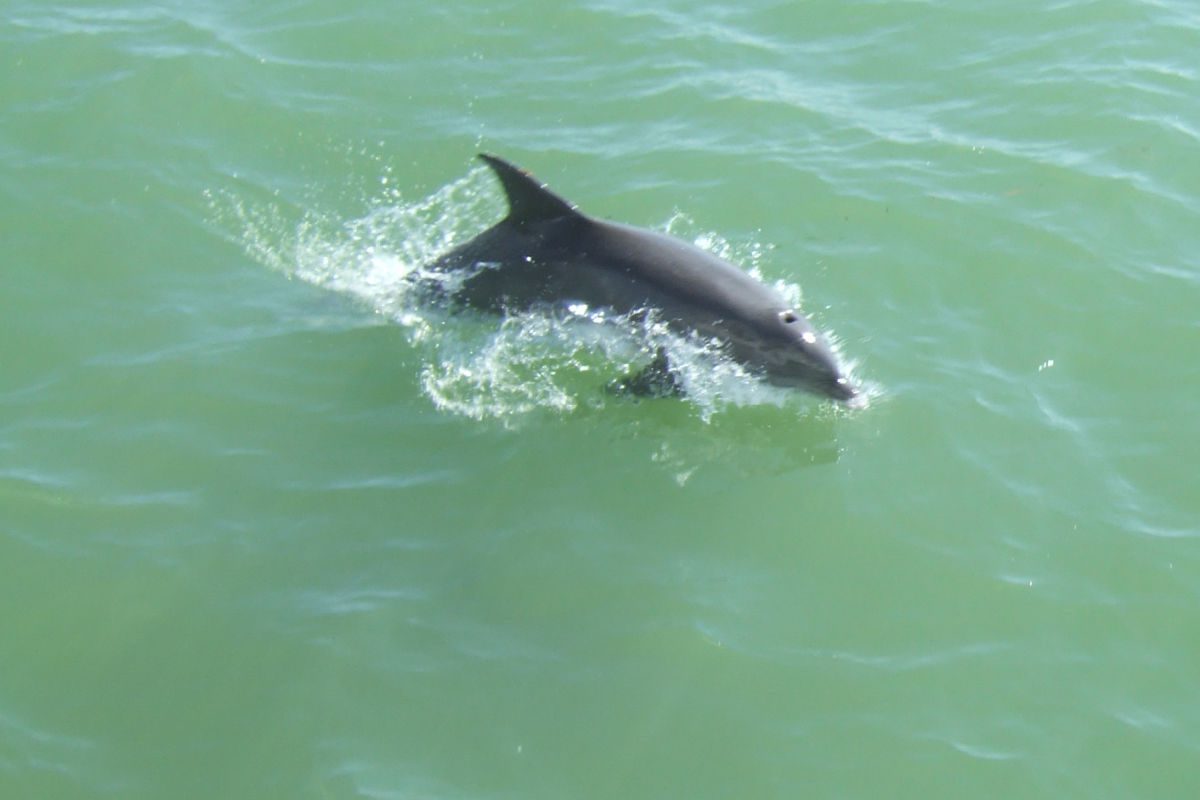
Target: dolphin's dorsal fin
528 199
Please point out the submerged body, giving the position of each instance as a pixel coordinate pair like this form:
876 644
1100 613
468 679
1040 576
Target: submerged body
547 252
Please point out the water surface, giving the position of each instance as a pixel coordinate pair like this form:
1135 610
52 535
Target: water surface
270 529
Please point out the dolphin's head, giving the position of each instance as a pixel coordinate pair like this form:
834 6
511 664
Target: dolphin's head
793 353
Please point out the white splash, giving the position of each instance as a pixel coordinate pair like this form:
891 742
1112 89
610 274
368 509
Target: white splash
477 365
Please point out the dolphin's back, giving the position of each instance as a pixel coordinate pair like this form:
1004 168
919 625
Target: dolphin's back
666 271
545 250
603 264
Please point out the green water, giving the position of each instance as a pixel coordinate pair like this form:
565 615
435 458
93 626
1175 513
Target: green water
268 528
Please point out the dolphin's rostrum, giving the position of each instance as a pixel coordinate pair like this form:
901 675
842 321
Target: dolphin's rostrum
547 252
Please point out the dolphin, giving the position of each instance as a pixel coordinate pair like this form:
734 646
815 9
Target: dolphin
547 252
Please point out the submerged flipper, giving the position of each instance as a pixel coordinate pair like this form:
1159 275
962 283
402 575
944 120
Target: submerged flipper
528 200
654 380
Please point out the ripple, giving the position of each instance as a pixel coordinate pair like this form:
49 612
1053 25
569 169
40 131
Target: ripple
30 749
358 600
909 662
370 483
983 752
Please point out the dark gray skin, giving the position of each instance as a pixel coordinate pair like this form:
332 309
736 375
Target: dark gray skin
547 252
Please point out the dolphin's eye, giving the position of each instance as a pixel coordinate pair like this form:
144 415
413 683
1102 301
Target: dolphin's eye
788 316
